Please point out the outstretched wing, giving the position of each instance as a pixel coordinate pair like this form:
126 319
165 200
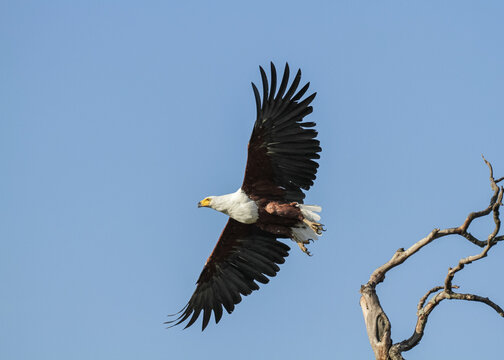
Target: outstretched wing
282 147
243 255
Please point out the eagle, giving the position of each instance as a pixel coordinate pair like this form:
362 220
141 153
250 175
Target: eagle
269 205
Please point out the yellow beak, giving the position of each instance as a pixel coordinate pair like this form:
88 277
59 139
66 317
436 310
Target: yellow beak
204 203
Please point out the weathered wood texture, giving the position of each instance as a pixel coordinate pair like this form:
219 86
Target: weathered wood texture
378 325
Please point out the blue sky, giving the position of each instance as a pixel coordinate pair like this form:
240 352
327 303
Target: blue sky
116 118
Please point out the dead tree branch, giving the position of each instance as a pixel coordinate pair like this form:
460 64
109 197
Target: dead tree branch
377 323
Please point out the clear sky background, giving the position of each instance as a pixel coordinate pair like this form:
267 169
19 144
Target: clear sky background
117 117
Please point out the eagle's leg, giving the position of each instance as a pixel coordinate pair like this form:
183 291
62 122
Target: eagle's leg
315 226
303 247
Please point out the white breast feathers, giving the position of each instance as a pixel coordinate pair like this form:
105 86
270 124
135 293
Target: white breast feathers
237 205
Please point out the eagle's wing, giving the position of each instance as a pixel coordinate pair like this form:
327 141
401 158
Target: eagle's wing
282 147
244 254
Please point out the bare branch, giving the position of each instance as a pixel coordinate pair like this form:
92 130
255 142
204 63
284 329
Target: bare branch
480 243
462 263
478 214
496 216
424 298
489 243
492 180
423 315
484 300
401 256
472 239
377 323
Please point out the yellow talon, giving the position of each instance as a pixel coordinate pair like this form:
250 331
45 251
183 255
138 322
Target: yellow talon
303 248
316 227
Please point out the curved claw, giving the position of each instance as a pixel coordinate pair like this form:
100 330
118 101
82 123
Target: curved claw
304 249
316 227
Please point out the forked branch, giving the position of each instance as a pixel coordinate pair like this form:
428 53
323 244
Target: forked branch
377 323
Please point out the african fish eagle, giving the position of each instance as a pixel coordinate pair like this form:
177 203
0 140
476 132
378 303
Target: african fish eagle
269 204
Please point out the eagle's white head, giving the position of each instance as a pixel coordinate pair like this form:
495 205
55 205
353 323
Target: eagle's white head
237 205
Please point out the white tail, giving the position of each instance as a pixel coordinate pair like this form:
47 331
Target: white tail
310 212
301 233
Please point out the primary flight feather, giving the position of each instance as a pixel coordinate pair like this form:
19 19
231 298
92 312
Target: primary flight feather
269 204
